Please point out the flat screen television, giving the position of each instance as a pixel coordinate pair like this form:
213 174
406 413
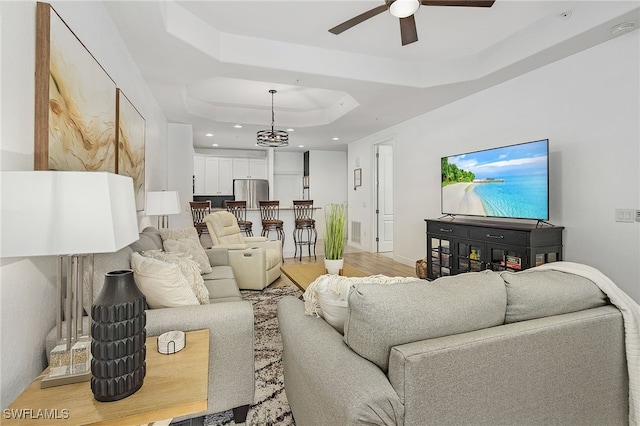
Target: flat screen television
506 182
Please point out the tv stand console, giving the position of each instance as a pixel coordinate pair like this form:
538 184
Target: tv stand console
456 246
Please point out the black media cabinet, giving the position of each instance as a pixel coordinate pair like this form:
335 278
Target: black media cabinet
455 246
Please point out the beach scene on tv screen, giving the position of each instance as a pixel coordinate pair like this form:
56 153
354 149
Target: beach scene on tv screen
503 182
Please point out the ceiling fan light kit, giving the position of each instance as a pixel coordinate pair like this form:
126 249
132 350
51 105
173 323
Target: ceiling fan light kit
272 138
403 8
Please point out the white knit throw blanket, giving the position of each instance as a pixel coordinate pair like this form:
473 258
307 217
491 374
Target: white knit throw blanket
339 285
631 317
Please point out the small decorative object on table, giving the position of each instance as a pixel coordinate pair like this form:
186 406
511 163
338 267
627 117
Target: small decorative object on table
118 329
171 342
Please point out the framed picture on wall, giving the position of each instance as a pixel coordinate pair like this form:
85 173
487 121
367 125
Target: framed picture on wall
130 139
357 178
75 101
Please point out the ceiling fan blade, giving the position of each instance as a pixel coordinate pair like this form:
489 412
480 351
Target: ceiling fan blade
464 3
408 30
358 19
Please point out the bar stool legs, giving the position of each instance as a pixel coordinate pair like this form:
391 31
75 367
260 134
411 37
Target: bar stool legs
305 235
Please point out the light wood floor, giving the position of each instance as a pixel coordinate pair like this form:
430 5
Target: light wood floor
370 263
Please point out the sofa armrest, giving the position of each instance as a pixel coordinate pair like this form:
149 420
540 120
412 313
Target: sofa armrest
563 369
251 240
267 245
231 354
325 381
218 256
250 268
232 246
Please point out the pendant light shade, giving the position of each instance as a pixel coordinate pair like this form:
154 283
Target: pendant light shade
273 138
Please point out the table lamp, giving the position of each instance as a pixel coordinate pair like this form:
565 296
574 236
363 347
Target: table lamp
71 215
162 204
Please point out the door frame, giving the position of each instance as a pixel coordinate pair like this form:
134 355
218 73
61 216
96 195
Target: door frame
376 192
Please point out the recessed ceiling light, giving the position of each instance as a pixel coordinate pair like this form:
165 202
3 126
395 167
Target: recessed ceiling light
300 146
238 126
209 134
215 144
291 130
335 139
625 27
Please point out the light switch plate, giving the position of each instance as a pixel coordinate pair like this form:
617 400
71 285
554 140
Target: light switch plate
625 215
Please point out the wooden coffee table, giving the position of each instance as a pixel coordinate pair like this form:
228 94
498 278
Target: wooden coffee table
303 274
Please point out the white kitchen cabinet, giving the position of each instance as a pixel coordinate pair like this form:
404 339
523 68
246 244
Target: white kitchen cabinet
249 168
218 176
213 175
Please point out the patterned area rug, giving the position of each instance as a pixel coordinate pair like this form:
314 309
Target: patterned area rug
270 406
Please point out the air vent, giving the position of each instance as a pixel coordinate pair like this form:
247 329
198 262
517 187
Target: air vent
356 228
637 215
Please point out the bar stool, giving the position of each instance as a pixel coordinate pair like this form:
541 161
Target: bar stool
199 209
270 216
239 210
304 233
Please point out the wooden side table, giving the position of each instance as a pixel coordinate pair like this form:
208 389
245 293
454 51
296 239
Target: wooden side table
175 385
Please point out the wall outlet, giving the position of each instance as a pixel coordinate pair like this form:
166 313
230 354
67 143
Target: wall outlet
625 215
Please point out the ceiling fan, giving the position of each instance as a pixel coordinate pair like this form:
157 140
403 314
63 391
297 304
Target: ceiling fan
404 10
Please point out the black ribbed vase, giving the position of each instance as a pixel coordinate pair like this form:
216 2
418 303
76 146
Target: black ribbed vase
118 331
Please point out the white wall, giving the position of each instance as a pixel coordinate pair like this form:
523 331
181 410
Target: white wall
27 286
327 181
181 171
587 105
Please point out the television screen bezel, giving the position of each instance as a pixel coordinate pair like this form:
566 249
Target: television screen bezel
491 149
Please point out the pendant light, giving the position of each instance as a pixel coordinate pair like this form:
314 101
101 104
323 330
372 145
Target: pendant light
273 138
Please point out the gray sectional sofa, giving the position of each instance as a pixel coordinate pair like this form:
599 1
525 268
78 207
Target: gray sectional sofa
525 348
228 317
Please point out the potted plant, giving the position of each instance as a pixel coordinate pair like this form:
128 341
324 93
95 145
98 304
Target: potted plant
335 236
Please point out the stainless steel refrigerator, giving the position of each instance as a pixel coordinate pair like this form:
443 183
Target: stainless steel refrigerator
251 191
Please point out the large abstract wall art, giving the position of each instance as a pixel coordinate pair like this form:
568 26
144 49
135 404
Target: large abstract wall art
130 142
75 111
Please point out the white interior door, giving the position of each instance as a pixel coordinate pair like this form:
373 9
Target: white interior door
384 202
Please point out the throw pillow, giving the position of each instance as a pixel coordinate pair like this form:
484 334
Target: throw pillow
327 296
191 247
162 283
189 268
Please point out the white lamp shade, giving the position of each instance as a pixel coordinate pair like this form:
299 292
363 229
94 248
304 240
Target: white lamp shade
404 8
160 203
60 213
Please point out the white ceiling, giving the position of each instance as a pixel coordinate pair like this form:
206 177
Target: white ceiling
212 63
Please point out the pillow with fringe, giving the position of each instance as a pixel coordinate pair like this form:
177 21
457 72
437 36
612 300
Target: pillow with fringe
162 283
327 296
189 268
191 247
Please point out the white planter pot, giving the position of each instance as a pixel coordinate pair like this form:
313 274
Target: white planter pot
333 266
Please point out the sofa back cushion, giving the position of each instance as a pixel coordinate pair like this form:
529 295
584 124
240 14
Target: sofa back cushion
383 316
536 294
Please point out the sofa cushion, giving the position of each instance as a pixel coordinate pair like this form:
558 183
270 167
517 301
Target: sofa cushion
189 268
144 243
190 246
383 316
219 273
536 294
328 295
223 289
162 283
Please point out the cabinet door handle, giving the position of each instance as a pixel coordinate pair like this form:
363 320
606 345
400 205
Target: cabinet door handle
446 230
500 237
